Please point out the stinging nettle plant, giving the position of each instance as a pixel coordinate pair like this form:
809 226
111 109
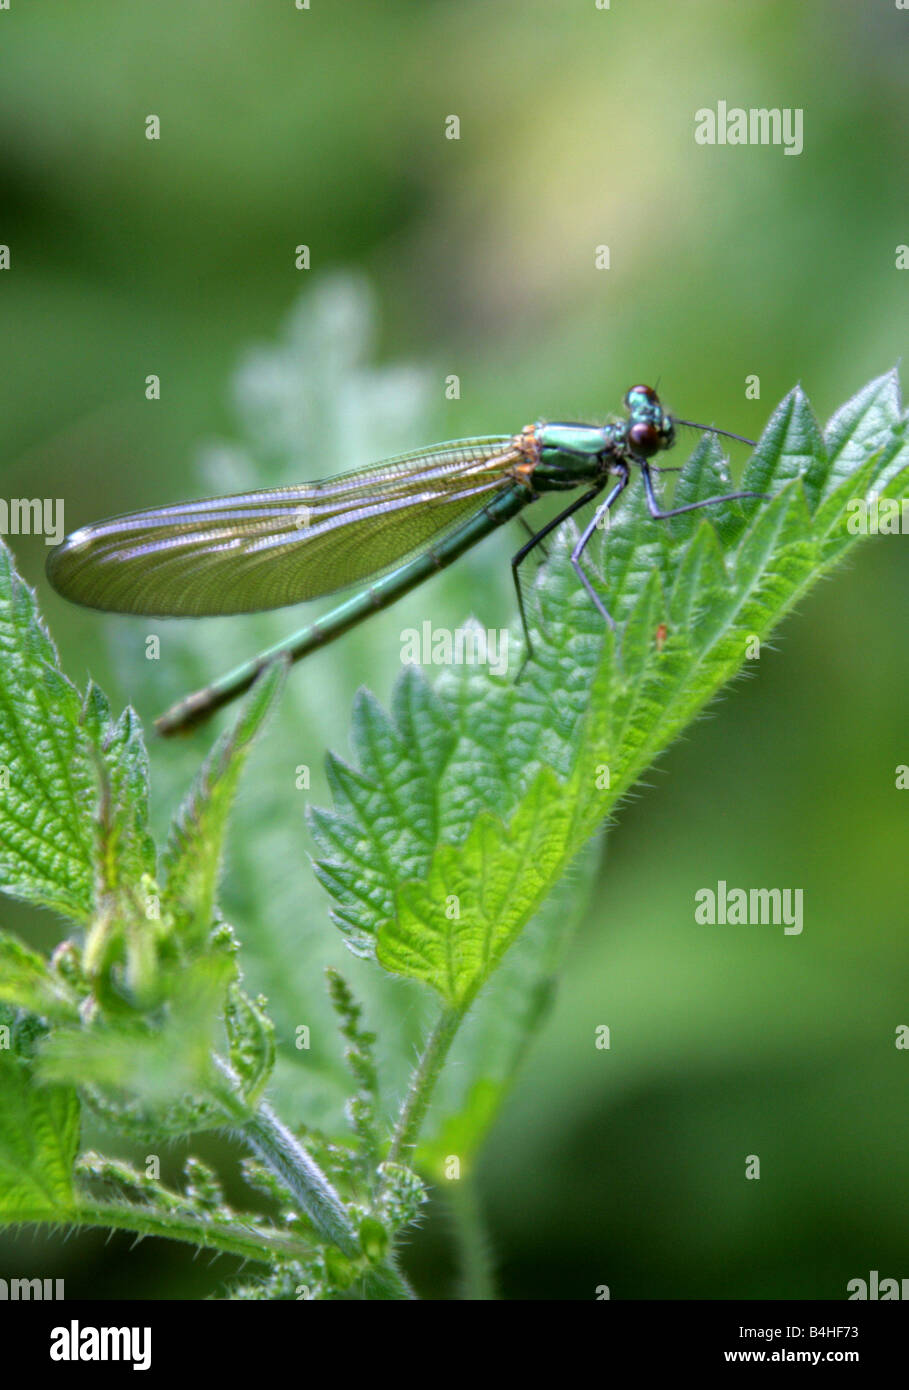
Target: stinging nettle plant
463 808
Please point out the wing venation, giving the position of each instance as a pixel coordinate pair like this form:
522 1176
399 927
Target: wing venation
259 550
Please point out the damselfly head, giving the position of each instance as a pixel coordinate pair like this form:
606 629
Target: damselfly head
649 428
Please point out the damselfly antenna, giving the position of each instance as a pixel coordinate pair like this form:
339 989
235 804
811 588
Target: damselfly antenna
712 429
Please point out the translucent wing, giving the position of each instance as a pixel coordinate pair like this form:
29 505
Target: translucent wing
259 550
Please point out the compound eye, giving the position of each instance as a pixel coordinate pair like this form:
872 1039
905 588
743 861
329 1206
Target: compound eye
644 439
638 393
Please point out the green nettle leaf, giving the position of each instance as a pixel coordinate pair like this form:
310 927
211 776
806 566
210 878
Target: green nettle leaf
60 757
470 799
452 929
48 787
39 1135
251 1039
127 848
149 1061
28 982
192 857
163 985
140 1007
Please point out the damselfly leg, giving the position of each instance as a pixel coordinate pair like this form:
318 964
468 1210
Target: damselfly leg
653 505
584 540
521 556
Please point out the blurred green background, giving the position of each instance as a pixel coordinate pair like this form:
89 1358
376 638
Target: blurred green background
476 257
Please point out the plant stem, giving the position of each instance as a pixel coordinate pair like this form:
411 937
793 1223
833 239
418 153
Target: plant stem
477 1281
422 1083
286 1157
288 1160
232 1239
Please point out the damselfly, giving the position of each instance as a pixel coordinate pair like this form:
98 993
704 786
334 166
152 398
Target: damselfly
260 550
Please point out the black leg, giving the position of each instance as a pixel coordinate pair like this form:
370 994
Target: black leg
517 561
654 506
532 533
601 511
